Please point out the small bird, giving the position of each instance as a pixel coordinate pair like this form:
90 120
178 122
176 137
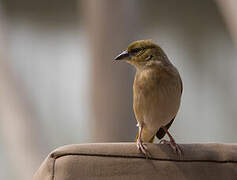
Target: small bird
157 91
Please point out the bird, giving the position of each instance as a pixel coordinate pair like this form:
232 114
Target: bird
157 92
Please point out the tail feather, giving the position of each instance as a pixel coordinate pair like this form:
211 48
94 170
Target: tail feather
161 133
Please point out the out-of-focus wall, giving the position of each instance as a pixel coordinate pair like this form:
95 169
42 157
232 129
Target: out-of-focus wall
48 60
49 51
49 55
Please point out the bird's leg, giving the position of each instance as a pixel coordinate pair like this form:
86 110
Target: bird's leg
172 142
140 145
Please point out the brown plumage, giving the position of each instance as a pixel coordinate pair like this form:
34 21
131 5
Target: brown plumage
157 91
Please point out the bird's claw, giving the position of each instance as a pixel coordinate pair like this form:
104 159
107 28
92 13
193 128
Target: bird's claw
143 149
176 148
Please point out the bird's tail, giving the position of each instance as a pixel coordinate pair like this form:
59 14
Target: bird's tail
161 133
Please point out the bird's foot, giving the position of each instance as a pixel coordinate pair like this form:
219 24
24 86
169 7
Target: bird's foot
143 149
176 148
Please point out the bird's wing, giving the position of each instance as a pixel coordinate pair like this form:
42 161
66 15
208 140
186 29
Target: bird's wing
161 133
181 85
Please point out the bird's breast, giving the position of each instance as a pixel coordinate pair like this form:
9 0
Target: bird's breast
156 97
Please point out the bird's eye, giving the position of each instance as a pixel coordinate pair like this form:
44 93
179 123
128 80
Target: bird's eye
136 50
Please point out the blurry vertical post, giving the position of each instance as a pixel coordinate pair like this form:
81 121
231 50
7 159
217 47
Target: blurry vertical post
110 26
17 127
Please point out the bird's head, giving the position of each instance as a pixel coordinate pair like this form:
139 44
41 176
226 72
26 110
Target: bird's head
143 53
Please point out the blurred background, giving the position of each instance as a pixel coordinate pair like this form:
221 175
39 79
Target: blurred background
59 84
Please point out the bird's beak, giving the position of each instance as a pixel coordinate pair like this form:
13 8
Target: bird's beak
123 56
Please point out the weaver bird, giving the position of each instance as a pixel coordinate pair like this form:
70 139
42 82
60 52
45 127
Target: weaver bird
157 91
